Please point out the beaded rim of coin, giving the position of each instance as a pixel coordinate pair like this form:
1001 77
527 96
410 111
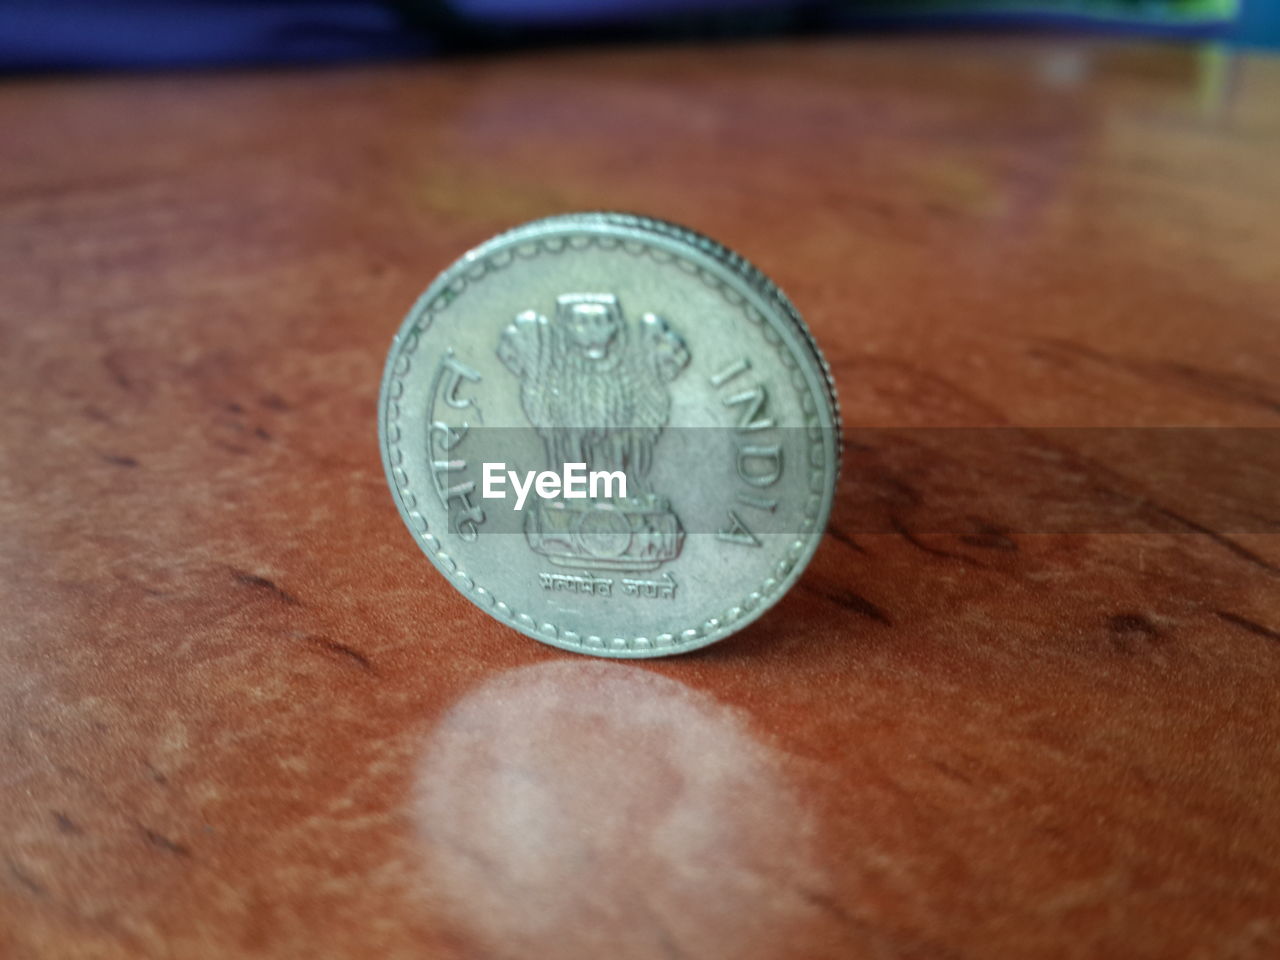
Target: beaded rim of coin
745 288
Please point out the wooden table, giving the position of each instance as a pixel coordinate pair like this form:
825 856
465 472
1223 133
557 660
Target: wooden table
244 717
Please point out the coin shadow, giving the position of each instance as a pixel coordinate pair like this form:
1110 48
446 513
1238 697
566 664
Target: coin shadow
574 808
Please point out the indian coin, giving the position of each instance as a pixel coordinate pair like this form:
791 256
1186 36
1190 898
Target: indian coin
610 433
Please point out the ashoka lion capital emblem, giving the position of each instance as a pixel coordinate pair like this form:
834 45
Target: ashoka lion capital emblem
596 390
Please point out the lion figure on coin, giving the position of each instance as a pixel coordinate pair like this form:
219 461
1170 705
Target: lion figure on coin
596 390
593 386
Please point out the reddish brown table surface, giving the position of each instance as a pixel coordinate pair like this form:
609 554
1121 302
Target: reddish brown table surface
244 717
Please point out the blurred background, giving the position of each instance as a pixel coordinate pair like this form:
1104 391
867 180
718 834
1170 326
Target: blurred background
37 35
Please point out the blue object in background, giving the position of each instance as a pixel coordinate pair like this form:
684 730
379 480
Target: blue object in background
1258 25
42 34
578 12
111 34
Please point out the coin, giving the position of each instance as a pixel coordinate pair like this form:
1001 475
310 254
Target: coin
611 433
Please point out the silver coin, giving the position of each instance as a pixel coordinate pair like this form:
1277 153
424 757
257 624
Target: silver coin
611 433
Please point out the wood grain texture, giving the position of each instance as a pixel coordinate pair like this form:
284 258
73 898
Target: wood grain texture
244 717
